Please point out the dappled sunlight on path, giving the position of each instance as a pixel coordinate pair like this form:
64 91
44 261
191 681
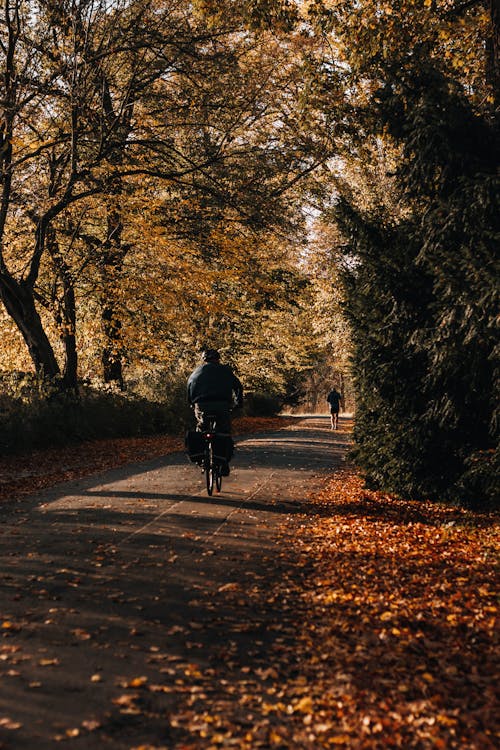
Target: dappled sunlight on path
114 609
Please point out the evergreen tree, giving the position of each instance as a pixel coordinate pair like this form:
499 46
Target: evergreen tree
423 297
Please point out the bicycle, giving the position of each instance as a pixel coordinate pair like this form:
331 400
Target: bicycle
212 464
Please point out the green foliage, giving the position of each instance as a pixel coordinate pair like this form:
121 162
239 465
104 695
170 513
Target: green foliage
423 298
479 484
260 404
387 296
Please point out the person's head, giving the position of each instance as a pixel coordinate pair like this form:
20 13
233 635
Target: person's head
210 355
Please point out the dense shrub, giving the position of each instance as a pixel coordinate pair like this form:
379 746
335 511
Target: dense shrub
479 484
422 299
259 404
35 416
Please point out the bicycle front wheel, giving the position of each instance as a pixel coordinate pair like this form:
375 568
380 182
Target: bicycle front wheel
218 477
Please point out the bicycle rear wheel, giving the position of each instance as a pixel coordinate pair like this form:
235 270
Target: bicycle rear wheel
209 468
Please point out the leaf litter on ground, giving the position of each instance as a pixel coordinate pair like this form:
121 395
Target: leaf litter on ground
383 616
376 626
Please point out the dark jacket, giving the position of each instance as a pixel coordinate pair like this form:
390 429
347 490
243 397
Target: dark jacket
333 399
214 382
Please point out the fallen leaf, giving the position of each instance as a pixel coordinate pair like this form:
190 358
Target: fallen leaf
8 723
304 705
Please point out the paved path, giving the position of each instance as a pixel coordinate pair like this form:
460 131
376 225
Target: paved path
111 582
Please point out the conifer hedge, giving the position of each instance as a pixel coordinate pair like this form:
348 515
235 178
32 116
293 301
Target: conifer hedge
422 300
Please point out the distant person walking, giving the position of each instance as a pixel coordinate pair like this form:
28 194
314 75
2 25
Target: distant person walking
334 399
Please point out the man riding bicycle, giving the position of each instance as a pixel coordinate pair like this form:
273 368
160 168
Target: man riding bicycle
212 389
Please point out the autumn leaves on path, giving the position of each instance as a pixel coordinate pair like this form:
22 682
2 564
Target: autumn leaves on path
296 610
398 641
113 595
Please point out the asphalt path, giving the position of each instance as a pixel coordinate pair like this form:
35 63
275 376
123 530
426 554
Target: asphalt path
112 583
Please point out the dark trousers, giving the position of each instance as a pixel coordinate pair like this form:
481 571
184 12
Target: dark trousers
218 409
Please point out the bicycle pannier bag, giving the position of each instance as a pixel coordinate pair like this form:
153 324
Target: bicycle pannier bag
195 446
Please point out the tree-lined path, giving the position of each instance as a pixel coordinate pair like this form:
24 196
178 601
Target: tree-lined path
115 620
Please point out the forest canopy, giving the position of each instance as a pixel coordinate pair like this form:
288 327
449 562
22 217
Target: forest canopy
150 157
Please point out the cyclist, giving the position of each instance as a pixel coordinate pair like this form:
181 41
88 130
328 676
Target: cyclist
211 389
334 399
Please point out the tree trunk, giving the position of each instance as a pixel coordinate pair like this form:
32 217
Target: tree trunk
70 374
20 304
111 356
111 359
65 313
112 263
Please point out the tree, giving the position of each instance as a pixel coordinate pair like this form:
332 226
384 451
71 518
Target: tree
419 270
54 145
200 102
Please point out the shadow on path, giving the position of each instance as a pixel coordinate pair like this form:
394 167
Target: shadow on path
116 583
